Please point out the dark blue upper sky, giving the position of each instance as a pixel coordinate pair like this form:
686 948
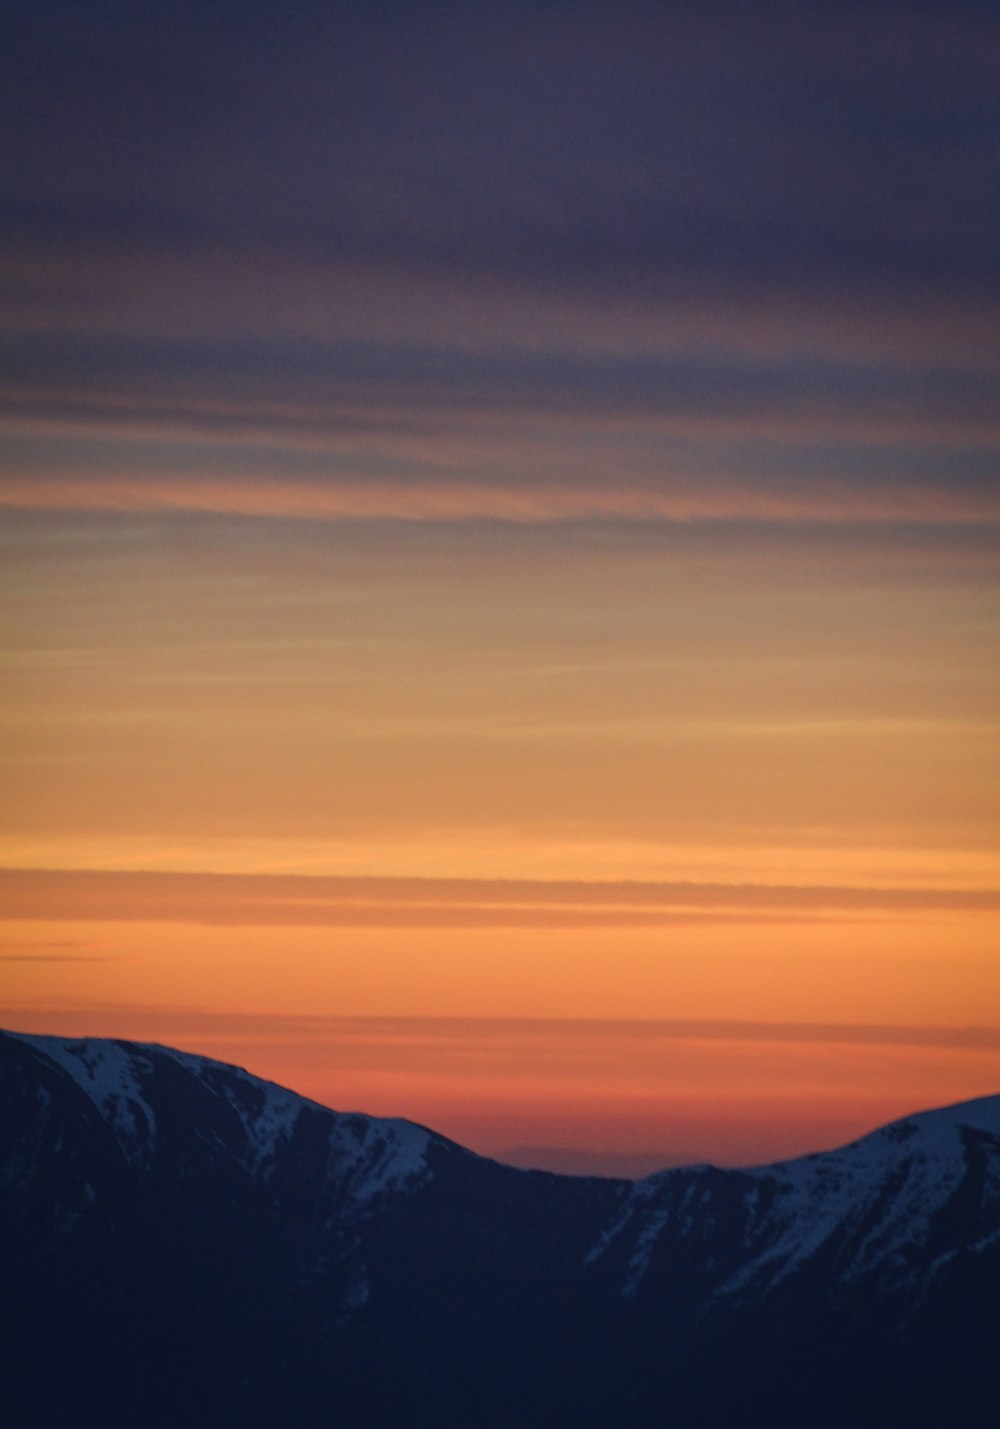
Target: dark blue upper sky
384 213
713 147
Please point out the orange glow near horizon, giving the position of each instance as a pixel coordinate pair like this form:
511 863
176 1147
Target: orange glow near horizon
623 1095
559 784
733 1041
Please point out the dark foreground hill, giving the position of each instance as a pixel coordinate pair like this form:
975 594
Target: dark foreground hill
182 1244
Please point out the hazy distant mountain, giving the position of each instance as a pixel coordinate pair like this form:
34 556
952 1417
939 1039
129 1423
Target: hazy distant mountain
185 1244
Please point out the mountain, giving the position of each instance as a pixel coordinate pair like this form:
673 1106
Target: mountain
182 1243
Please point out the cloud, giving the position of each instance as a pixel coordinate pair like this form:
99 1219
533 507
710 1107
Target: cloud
335 431
302 901
34 958
457 1035
441 501
329 380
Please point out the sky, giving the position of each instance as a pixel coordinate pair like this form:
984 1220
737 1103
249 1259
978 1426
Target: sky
500 518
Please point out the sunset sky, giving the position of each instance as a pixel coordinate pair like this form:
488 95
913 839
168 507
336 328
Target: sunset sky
500 520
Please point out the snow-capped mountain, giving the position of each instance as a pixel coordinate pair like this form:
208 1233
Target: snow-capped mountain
881 1212
182 1242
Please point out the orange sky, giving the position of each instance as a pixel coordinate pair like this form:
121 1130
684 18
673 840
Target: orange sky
500 560
511 798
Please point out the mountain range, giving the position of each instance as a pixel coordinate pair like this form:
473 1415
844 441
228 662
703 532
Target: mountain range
184 1244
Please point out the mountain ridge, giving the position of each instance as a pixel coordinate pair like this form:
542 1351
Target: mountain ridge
292 1258
988 1105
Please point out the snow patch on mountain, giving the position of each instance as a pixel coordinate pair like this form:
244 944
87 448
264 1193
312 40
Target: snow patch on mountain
267 1113
379 1157
106 1072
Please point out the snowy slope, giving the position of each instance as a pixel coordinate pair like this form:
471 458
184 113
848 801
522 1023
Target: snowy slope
176 1232
251 1120
889 1212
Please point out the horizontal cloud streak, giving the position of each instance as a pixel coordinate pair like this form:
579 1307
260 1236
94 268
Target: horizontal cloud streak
328 430
299 900
461 1033
34 958
440 501
338 379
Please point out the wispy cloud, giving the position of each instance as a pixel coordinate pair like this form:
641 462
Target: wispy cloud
332 430
35 958
333 382
301 901
421 1034
441 501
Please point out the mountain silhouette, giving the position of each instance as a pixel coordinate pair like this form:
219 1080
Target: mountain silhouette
185 1244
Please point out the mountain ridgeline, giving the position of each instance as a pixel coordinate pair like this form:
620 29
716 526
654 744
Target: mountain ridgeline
182 1243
